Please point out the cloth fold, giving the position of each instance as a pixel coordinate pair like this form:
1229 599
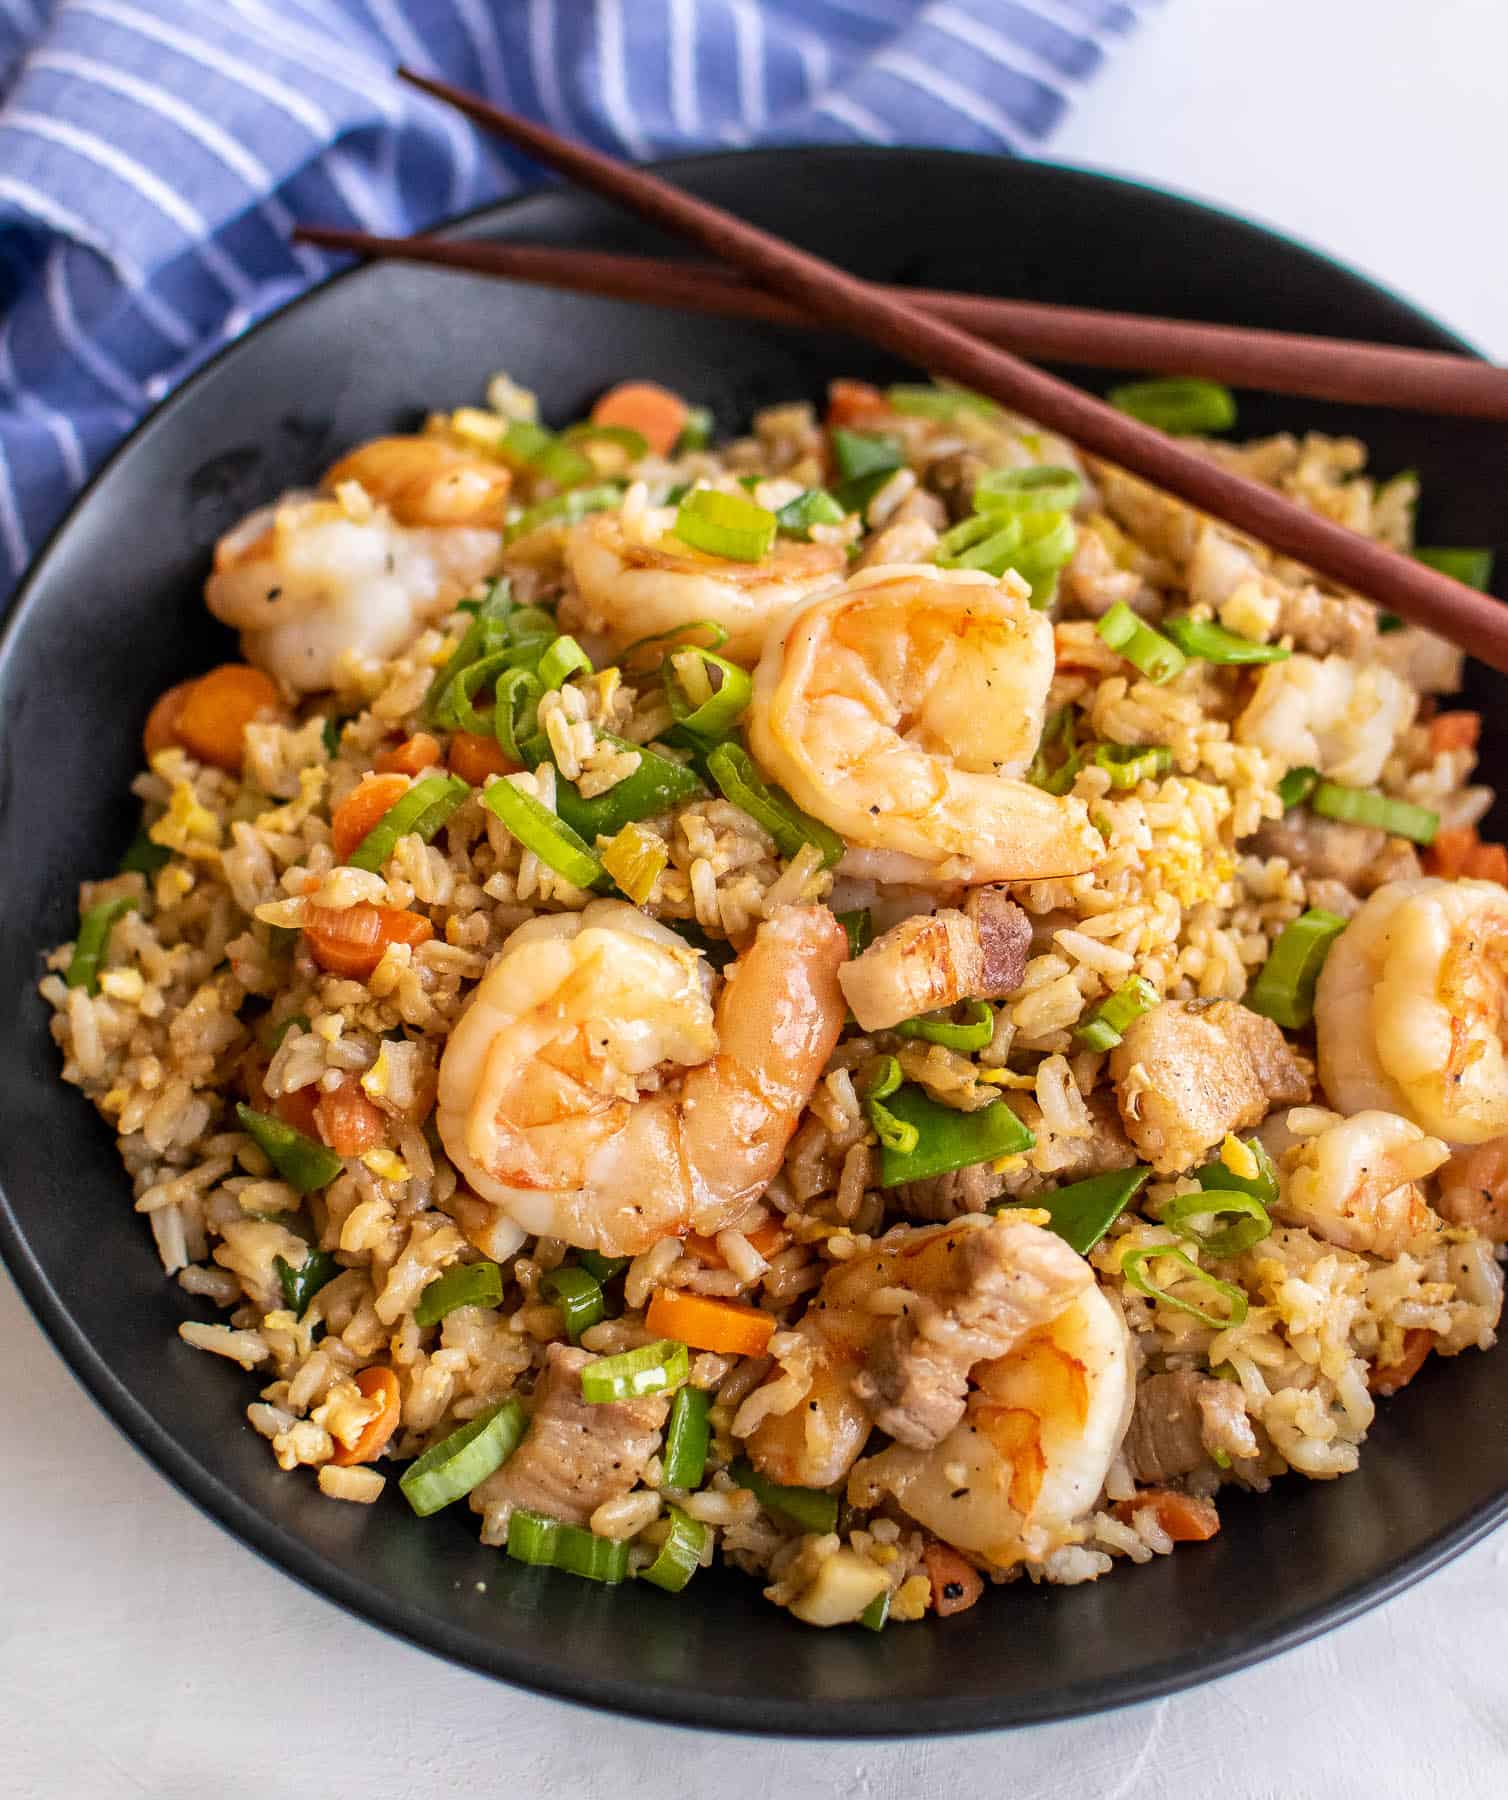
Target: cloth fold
154 153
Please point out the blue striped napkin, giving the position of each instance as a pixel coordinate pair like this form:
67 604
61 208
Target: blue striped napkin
153 153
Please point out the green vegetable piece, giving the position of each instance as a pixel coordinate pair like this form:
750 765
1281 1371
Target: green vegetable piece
1128 764
731 767
948 1139
633 443
604 1268
939 1028
449 1470
697 432
304 1163
688 1435
300 1285
726 525
486 634
549 1543
545 833
333 731
1252 1223
1157 657
1104 1027
270 1037
469 1284
657 785
563 659
419 813
859 453
1179 405
1284 988
1262 1186
854 496
142 856
1296 787
1084 1211
680 1555
651 1369
1134 1270
1048 541
711 720
515 711
1041 487
1366 806
579 1296
938 402
93 941
874 1615
884 1080
547 455
1212 643
565 509
897 1135
1473 567
809 1508
814 507
860 928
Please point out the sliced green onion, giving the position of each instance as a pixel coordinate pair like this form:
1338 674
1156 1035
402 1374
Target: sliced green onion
332 732
304 1163
877 1612
680 1555
949 1139
142 856
1252 1223
1083 1212
418 813
658 784
454 709
545 833
899 1136
1047 545
854 496
656 1368
1180 405
565 509
859 453
981 542
270 1037
809 1508
1284 988
484 638
937 402
726 525
697 432
677 638
814 507
883 1080
1262 1186
515 711
1157 657
563 659
605 1268
1473 567
1132 1268
1127 764
1060 730
578 1296
1212 643
1366 806
300 1285
1042 487
731 767
545 454
550 1543
683 1460
636 858
93 940
632 443
449 1470
938 1028
1387 622
859 925
1296 787
469 1284
710 719
1103 1028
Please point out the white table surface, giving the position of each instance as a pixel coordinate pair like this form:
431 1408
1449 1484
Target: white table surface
142 1651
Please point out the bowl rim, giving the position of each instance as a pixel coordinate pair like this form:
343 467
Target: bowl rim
432 1631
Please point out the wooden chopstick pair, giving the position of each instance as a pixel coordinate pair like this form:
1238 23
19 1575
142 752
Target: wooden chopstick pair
819 290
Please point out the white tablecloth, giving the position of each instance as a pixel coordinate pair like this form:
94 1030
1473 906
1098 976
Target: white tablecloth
144 1652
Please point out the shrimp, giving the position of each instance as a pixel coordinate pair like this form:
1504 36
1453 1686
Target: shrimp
1355 1183
540 1105
901 712
1409 1011
1329 714
1474 1189
1034 1446
896 1331
308 579
626 589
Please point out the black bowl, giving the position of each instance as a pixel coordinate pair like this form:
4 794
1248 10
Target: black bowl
110 616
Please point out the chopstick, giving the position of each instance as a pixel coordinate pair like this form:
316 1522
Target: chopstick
1418 593
1277 362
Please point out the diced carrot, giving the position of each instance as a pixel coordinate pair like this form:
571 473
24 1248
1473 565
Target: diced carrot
161 728
352 941
1447 856
1389 1377
1454 731
376 1384
1185 1519
720 1325
474 757
658 415
212 720
768 1239
956 1584
362 808
348 1121
854 403
296 1108
412 757
1487 862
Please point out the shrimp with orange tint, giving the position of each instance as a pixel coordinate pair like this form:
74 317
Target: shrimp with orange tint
632 580
903 711
1356 1183
1474 1189
308 579
591 1091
